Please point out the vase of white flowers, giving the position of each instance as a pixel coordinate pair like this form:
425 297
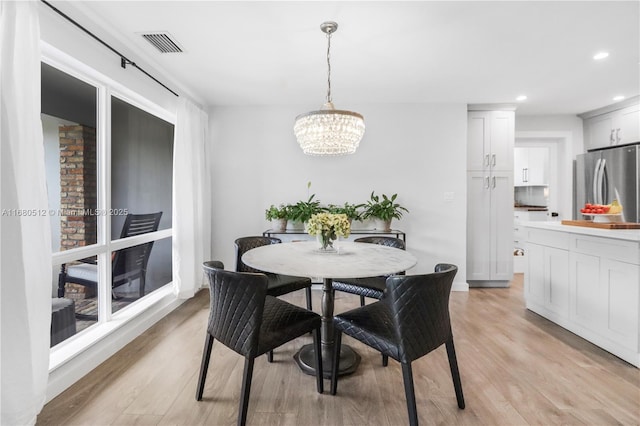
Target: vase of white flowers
327 227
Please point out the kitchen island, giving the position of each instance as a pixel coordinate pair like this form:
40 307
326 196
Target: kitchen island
586 280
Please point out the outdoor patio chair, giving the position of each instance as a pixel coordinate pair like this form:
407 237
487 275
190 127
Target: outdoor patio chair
127 265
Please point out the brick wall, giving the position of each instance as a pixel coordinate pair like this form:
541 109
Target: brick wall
78 177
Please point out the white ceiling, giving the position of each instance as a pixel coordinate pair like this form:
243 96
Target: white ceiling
265 53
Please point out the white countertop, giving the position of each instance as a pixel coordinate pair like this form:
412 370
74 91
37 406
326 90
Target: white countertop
354 260
619 234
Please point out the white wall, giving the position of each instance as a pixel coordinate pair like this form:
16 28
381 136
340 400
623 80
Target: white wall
418 151
556 123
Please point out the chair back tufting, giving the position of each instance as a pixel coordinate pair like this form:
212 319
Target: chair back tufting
245 244
419 305
236 305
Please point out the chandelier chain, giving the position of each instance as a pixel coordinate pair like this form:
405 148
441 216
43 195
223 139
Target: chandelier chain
329 67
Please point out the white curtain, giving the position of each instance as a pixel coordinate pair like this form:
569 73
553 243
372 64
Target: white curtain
191 199
25 290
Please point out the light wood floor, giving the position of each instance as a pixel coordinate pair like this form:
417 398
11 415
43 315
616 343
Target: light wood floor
516 367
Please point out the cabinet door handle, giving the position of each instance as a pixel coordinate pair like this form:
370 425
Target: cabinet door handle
611 139
493 160
486 160
493 184
486 179
618 138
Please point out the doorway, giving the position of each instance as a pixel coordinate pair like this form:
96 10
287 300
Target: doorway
535 174
559 181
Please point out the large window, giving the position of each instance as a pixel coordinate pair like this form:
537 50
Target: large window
109 175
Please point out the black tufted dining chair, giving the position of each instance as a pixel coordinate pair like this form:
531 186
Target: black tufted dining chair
411 320
278 284
372 287
248 321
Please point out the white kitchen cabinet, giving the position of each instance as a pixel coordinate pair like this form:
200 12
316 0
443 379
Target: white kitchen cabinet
490 198
605 279
530 166
556 284
520 164
620 279
490 137
520 217
586 308
489 242
613 125
547 273
628 130
587 281
534 276
524 215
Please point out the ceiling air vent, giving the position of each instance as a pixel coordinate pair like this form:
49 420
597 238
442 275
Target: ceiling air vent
163 42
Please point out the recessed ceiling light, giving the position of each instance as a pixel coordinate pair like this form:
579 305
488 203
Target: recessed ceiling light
600 55
618 98
521 98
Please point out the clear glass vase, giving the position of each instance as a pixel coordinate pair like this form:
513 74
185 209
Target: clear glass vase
325 242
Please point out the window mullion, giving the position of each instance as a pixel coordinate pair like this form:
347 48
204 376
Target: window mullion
104 203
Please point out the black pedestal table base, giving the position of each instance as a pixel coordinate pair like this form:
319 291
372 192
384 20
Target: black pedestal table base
305 357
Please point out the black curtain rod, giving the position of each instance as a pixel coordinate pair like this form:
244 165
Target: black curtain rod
124 61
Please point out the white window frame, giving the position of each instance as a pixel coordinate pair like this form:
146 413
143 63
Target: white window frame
107 322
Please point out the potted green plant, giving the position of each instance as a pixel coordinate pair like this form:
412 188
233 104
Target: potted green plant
278 217
302 211
383 211
352 211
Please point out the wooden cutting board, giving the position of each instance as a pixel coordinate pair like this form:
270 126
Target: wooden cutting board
610 225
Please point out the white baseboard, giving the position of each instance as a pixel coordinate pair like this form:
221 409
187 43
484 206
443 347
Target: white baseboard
460 286
489 284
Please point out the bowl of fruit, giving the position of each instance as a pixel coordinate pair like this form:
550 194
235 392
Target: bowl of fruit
603 213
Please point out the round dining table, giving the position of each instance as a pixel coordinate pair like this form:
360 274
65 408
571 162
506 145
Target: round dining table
348 260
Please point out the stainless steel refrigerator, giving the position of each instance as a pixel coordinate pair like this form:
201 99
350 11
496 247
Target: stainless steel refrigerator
610 173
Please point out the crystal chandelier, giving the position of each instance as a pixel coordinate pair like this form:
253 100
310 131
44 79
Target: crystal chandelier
329 131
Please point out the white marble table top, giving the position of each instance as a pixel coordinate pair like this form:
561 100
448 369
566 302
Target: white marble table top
352 260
